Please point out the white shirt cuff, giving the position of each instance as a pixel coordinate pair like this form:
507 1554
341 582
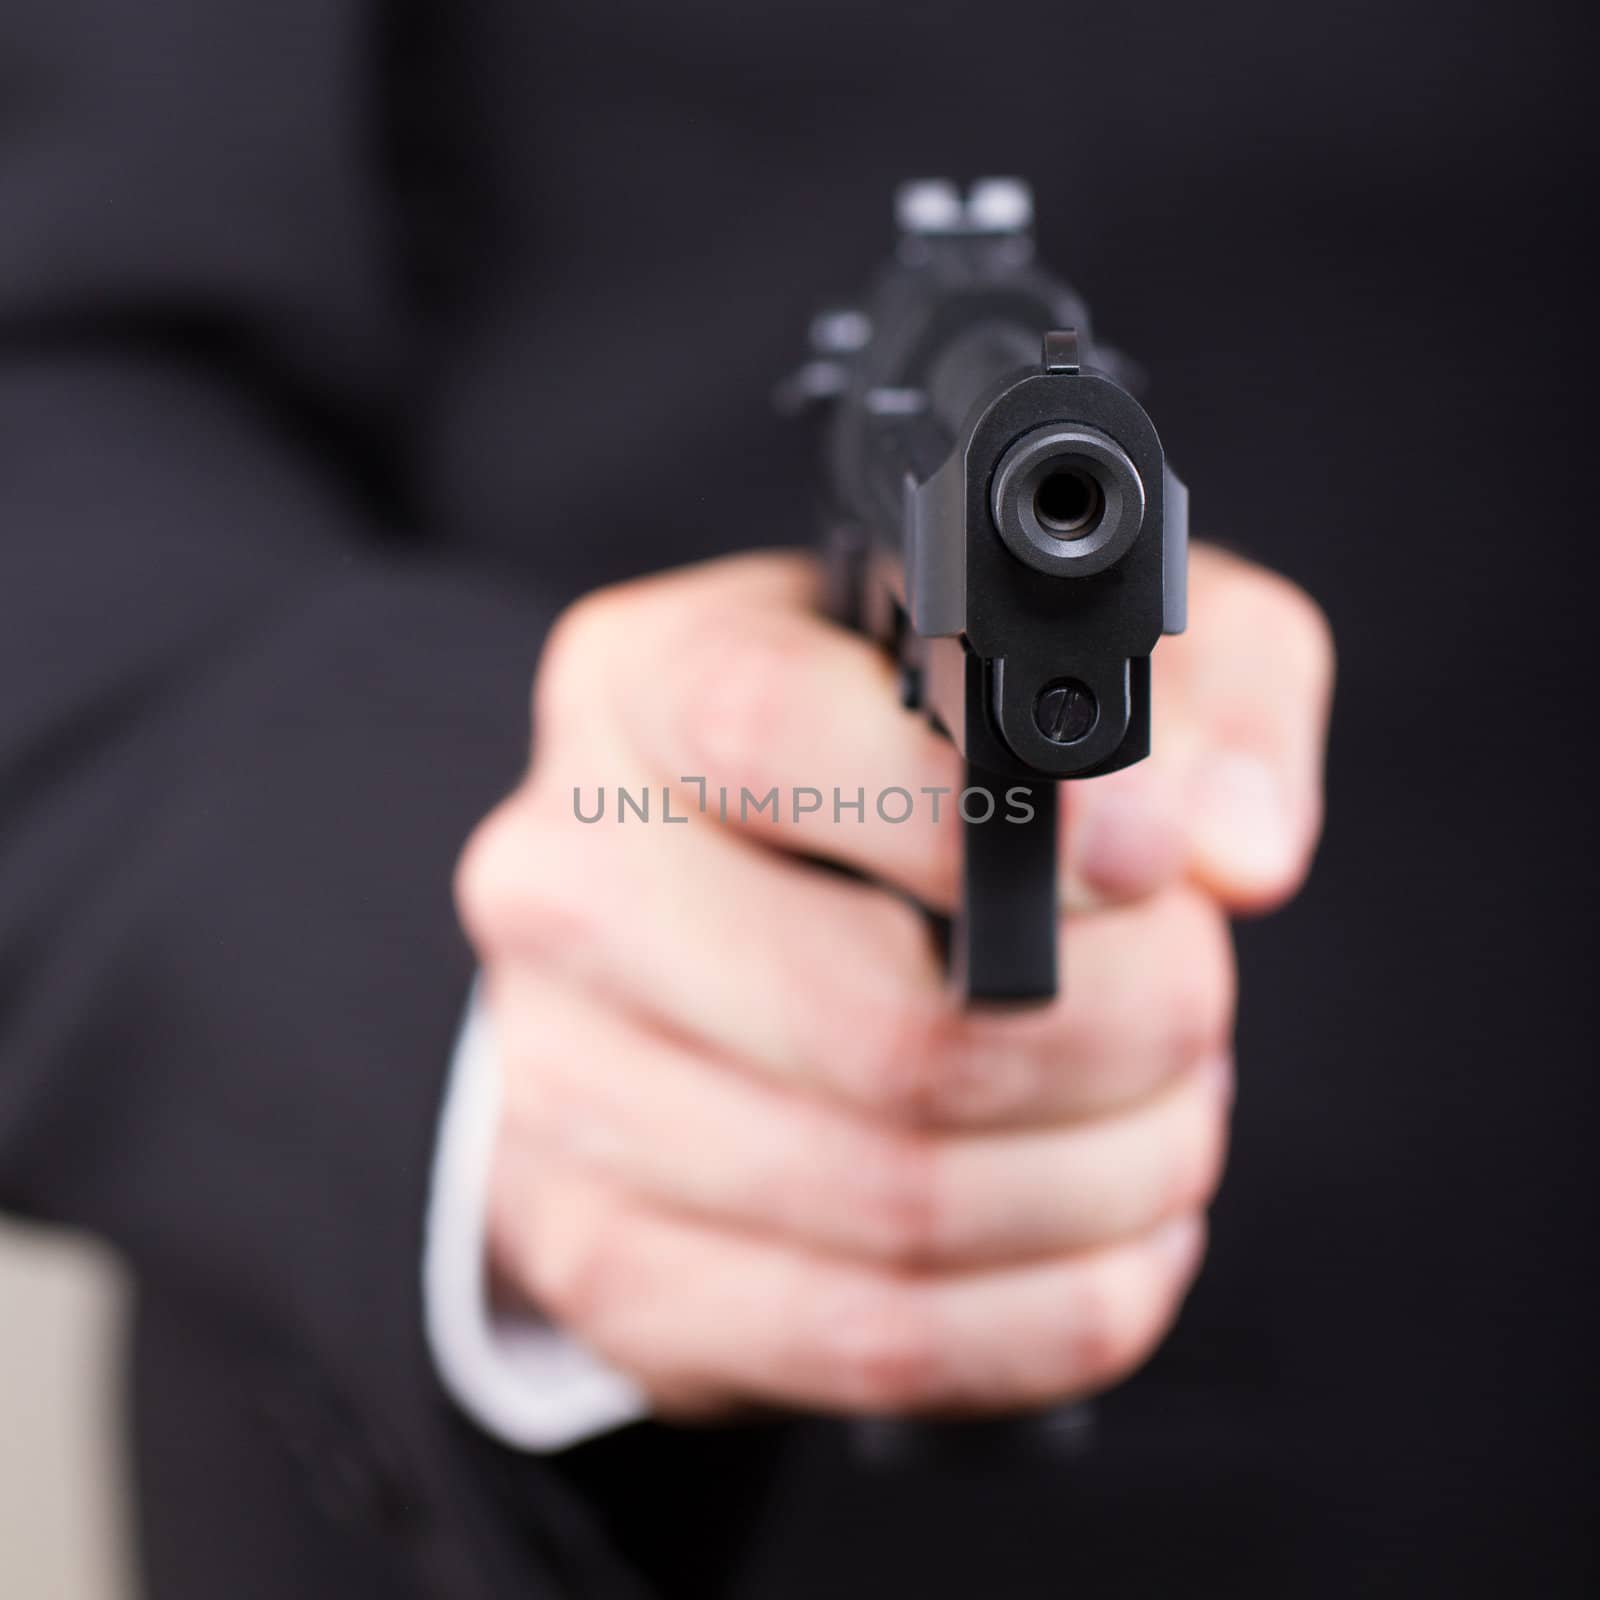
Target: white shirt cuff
518 1377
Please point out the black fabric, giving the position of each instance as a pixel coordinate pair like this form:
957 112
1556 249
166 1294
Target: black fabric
340 344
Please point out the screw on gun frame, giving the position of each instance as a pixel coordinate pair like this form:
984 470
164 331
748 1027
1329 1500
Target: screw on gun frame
1066 711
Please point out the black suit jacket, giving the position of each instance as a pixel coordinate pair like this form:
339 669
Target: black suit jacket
340 344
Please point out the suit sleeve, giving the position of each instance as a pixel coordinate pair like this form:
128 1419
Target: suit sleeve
248 708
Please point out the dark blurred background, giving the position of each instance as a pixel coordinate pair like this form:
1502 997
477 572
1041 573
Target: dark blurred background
1350 246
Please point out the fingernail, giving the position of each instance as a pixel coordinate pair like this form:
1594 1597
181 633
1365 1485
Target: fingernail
1180 1240
1240 818
1130 843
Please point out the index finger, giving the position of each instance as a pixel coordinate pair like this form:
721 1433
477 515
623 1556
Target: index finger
792 730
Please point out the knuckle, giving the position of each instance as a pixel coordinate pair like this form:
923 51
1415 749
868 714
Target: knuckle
1124 1303
1307 632
580 1270
885 1349
737 675
485 874
577 653
1202 1008
518 886
1098 1038
987 1077
901 1048
906 1053
897 1198
1275 609
1209 1166
551 1110
512 1222
1198 1171
896 932
1109 1337
560 923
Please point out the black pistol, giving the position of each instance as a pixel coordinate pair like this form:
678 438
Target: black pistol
998 514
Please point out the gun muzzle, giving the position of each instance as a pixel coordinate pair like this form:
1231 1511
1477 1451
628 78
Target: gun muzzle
1067 500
